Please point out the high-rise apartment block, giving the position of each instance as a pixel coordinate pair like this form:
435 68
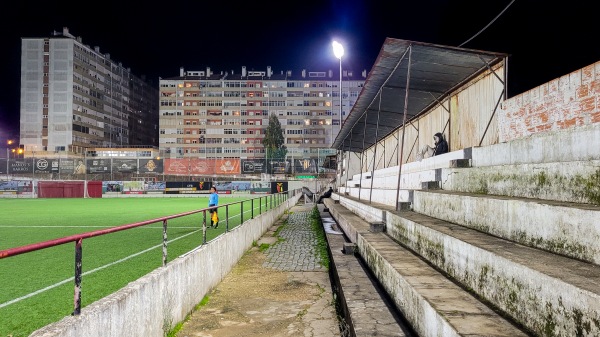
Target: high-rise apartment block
224 115
73 97
77 100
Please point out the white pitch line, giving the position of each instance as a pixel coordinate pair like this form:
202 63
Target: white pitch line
2 305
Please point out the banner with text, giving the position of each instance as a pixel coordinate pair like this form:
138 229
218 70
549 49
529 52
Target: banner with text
189 166
227 166
251 166
124 165
279 166
95 166
151 166
187 187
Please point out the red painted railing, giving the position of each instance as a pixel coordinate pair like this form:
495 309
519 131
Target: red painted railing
274 199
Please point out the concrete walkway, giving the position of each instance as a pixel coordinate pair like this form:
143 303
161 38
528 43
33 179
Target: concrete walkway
278 288
297 250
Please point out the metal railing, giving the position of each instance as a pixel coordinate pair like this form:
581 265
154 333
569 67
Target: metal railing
269 201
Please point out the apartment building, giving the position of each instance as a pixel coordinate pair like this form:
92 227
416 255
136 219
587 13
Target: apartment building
224 115
73 97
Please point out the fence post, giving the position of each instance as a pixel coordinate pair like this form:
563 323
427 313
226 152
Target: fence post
241 213
164 247
77 294
204 227
226 218
259 205
252 206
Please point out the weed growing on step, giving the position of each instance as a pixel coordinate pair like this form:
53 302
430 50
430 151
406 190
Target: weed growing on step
321 246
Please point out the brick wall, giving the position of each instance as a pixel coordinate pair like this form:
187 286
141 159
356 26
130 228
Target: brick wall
568 101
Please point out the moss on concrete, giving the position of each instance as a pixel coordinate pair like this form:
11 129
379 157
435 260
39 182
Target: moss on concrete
549 321
432 250
591 187
483 277
541 179
577 188
558 244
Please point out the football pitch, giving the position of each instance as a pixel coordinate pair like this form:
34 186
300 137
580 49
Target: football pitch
37 287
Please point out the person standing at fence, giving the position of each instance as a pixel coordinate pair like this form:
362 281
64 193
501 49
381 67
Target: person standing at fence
213 202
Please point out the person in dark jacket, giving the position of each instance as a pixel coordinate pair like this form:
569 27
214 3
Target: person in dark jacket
325 195
441 145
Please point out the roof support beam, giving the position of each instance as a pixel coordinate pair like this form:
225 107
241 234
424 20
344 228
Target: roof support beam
362 153
404 125
375 151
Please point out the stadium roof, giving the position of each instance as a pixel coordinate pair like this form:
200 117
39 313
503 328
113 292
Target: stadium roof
434 72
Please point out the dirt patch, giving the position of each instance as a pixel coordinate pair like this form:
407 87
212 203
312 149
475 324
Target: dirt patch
256 301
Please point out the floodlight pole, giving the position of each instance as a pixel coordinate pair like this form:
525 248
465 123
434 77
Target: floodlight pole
338 51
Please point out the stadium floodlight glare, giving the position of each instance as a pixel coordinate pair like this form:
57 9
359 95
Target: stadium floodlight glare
338 49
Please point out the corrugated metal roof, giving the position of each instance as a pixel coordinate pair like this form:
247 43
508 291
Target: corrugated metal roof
434 72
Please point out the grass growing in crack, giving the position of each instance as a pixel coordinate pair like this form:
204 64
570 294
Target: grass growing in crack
175 330
283 224
321 246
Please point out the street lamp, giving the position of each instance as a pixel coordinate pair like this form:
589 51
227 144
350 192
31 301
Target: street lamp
338 51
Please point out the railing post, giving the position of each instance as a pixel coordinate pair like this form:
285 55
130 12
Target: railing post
252 206
259 205
164 247
226 218
204 227
241 212
77 293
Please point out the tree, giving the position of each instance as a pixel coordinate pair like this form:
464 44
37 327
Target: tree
274 141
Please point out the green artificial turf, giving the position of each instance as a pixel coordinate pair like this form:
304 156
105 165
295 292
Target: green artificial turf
109 262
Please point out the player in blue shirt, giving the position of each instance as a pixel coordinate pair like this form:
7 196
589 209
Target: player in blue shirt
213 201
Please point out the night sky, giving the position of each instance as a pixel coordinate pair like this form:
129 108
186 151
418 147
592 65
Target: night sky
544 39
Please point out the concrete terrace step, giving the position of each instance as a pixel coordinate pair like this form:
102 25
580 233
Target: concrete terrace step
558 165
384 196
413 173
408 181
367 310
573 181
431 303
549 294
570 229
567 145
427 164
